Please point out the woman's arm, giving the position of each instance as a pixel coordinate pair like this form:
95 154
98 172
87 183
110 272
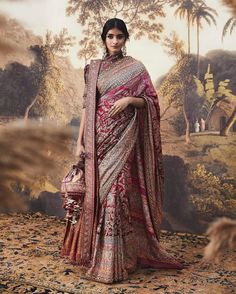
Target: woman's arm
122 103
138 102
80 140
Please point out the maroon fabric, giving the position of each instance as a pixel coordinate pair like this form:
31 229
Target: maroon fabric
129 178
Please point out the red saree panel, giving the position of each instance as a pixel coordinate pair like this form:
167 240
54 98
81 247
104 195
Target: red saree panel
120 223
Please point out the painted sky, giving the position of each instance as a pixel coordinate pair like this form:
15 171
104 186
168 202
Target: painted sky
41 15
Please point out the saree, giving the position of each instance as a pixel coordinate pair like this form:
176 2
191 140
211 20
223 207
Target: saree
119 227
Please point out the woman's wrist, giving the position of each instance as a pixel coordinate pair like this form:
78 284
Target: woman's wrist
130 100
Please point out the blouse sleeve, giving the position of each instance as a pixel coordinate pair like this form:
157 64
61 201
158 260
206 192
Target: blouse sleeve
86 72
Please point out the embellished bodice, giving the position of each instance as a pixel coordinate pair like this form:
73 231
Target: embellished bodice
115 71
109 62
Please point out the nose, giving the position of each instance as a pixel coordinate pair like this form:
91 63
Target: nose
115 40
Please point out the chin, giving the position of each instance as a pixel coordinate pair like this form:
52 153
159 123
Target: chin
115 51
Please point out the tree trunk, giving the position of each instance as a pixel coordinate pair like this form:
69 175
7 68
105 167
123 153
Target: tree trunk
198 45
26 115
188 32
225 130
187 132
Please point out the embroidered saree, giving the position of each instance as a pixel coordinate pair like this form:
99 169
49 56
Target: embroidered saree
119 226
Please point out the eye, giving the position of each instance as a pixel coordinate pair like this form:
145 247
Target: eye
121 36
109 36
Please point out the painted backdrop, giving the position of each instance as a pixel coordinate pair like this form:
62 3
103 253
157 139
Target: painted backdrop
187 46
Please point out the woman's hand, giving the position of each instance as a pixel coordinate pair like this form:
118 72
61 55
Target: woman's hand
79 149
119 106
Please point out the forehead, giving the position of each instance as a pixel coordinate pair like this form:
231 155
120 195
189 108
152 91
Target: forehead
115 31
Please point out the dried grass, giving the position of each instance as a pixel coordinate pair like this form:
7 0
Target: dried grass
231 4
222 235
26 150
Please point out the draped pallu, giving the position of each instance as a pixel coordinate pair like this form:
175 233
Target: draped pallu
122 214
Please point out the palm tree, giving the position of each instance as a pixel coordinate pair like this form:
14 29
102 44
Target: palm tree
185 9
230 24
200 13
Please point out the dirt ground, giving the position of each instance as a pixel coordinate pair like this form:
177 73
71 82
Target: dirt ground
30 263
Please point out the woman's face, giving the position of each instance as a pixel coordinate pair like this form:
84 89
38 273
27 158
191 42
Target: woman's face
115 40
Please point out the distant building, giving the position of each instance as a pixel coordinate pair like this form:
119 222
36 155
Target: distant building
220 115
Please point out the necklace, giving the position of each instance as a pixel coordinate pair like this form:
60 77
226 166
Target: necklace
112 58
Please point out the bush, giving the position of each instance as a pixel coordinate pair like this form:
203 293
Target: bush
178 124
207 184
211 196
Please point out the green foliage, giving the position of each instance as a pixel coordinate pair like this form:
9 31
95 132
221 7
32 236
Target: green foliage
175 86
230 206
48 78
178 91
230 25
171 91
208 208
16 80
59 43
207 183
47 75
210 195
210 94
178 123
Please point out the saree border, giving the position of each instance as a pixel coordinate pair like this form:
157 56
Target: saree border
88 215
152 166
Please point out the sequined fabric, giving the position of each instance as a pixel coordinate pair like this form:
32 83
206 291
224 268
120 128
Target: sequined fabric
129 178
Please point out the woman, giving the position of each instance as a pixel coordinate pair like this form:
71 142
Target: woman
120 131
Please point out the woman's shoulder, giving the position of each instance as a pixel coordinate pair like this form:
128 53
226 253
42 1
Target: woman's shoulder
129 60
135 63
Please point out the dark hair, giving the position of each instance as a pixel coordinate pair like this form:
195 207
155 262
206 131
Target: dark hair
114 23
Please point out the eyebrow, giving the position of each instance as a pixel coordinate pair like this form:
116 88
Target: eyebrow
110 34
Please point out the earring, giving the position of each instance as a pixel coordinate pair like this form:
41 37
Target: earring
124 50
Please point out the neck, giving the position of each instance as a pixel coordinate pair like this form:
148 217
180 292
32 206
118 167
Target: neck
114 53
113 56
